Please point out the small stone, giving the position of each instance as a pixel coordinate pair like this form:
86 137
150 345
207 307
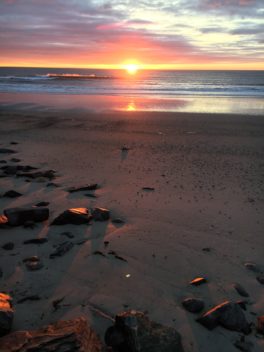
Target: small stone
29 298
62 249
3 161
260 325
19 216
252 266
148 188
91 187
3 221
8 246
227 314
42 204
12 194
117 221
206 249
193 305
6 151
6 314
36 241
33 263
100 214
74 216
49 174
240 290
198 281
260 279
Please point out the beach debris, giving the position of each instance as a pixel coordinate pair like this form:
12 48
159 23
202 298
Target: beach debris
19 216
62 249
33 263
36 241
56 303
8 246
227 314
12 194
260 279
29 298
42 204
100 214
74 216
134 332
91 187
6 314
148 188
240 290
49 174
260 325
252 267
198 281
64 335
243 345
193 305
118 221
7 151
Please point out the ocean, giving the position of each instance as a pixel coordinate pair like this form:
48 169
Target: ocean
193 91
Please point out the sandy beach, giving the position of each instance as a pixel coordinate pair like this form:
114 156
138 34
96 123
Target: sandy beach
190 191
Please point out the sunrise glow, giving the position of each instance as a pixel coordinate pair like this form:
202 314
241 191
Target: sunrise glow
131 68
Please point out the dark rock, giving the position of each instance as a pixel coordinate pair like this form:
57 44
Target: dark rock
13 143
243 304
3 161
260 325
125 149
15 160
134 332
6 315
260 279
252 266
240 290
206 249
62 249
120 258
36 241
64 336
33 263
100 214
91 187
74 216
198 281
8 246
19 216
12 194
52 184
29 298
148 188
42 204
227 314
49 174
7 151
117 221
193 305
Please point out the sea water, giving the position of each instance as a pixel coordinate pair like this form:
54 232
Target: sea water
240 92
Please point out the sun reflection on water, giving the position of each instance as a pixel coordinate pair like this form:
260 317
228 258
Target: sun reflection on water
131 106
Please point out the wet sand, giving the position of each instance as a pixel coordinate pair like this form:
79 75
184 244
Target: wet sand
204 217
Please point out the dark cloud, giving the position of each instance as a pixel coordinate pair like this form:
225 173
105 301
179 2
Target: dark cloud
206 30
232 7
248 30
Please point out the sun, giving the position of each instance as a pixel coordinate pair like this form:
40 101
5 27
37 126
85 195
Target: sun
131 68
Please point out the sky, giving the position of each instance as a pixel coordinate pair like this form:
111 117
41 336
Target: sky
166 34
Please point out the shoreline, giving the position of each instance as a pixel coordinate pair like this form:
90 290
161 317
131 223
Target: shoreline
207 175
